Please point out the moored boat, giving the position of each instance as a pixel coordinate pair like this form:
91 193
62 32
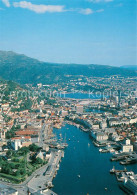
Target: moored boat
112 170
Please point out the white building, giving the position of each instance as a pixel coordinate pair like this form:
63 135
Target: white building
99 136
133 120
16 144
114 121
95 126
127 147
103 124
116 137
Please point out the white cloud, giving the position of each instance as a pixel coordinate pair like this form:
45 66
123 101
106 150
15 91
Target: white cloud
39 8
86 11
6 2
89 11
54 8
100 1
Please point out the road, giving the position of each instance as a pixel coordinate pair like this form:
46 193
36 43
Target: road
42 135
37 180
46 174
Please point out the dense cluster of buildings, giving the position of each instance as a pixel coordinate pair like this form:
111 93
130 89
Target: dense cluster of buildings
108 118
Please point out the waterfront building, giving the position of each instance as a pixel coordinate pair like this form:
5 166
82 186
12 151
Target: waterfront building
127 147
116 137
95 125
99 136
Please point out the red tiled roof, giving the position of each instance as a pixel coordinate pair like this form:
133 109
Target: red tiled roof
26 132
25 137
15 138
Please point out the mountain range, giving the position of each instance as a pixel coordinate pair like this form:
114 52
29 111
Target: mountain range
23 69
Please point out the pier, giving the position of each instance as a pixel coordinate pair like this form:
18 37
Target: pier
43 178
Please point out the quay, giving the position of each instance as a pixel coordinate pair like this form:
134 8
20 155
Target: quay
121 156
129 186
114 171
131 160
43 178
127 157
78 126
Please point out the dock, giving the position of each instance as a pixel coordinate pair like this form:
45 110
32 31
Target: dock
120 156
43 178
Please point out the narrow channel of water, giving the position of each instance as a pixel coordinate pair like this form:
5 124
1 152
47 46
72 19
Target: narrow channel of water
81 95
83 158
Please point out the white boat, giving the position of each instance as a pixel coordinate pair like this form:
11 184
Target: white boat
112 150
77 126
112 170
78 175
116 152
100 150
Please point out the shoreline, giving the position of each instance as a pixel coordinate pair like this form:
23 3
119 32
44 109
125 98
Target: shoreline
44 180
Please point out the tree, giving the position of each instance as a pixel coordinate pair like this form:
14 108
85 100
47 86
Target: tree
38 160
12 165
9 153
15 160
33 158
34 148
17 173
24 150
11 133
22 171
6 168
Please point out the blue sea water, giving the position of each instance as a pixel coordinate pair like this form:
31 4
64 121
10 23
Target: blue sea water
81 95
83 158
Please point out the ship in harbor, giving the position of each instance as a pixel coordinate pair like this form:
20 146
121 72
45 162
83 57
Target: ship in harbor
129 185
127 180
128 161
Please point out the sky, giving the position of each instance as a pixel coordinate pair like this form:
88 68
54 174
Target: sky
71 31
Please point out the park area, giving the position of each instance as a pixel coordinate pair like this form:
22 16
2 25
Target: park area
16 166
